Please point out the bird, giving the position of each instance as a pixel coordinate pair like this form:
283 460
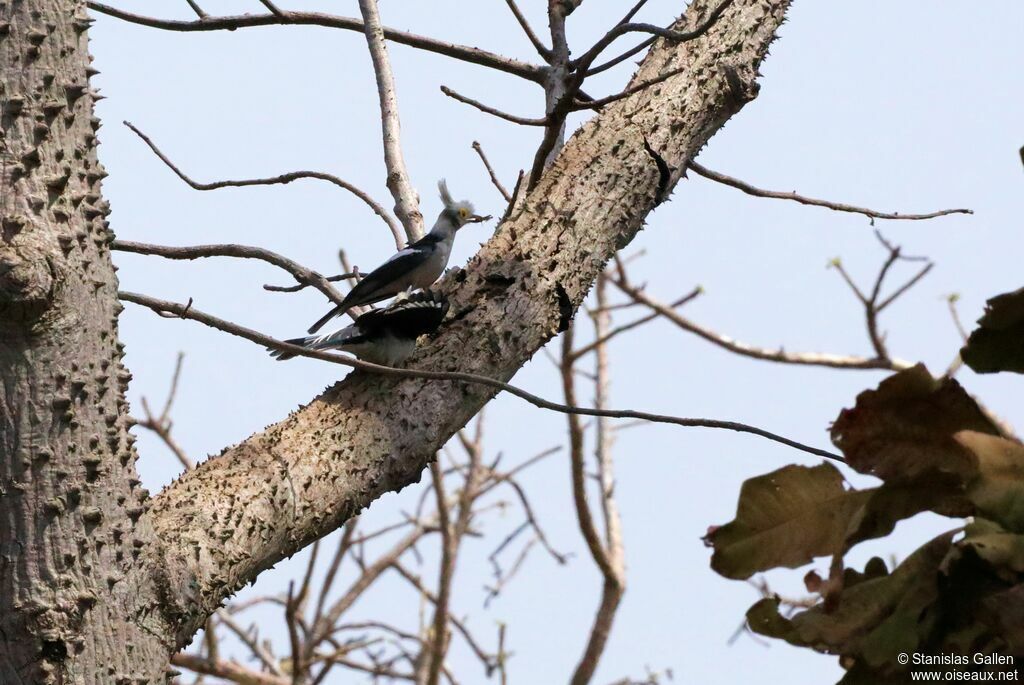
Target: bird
382 336
416 266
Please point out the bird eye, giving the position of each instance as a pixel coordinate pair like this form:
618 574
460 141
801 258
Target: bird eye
463 212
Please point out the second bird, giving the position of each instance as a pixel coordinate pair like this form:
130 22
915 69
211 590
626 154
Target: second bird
417 266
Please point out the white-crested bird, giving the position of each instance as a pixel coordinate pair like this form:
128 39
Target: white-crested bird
382 336
417 266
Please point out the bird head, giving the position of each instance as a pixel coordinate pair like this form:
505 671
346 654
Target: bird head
457 213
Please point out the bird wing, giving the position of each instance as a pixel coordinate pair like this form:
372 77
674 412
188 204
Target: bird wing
387 279
381 283
409 318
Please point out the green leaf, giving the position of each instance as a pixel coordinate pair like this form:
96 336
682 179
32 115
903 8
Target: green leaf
998 342
903 430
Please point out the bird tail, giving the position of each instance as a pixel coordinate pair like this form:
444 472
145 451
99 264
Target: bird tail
337 311
281 356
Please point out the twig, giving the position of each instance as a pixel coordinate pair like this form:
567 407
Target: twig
325 623
872 306
542 50
193 314
300 273
161 425
353 276
523 121
530 72
197 9
632 90
582 64
257 650
439 635
494 178
836 206
273 8
406 200
276 180
228 670
780 355
459 626
618 330
604 66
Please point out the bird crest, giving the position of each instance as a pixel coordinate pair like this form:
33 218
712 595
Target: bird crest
462 209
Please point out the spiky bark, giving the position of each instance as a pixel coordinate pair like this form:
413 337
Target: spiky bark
71 609
87 593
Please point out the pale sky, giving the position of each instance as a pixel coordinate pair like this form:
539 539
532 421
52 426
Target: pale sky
908 106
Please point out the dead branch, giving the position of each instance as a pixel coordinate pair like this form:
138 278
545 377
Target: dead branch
835 206
530 72
300 273
280 179
522 121
188 312
780 355
542 49
407 201
490 171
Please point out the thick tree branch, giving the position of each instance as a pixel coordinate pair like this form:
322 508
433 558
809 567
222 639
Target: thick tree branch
530 72
374 432
407 201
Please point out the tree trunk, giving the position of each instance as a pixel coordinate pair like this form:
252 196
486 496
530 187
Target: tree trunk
97 587
72 609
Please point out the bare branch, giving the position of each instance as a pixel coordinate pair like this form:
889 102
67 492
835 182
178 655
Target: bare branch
542 50
632 90
584 517
530 72
836 206
188 312
438 646
872 306
459 626
197 9
494 178
608 335
524 121
780 355
636 49
249 640
272 7
607 556
275 180
326 622
407 201
228 670
583 63
353 276
301 274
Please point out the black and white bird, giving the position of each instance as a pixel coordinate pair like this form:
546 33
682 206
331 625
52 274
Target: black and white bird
382 336
417 266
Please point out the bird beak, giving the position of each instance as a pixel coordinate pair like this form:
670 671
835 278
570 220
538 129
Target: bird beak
476 219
